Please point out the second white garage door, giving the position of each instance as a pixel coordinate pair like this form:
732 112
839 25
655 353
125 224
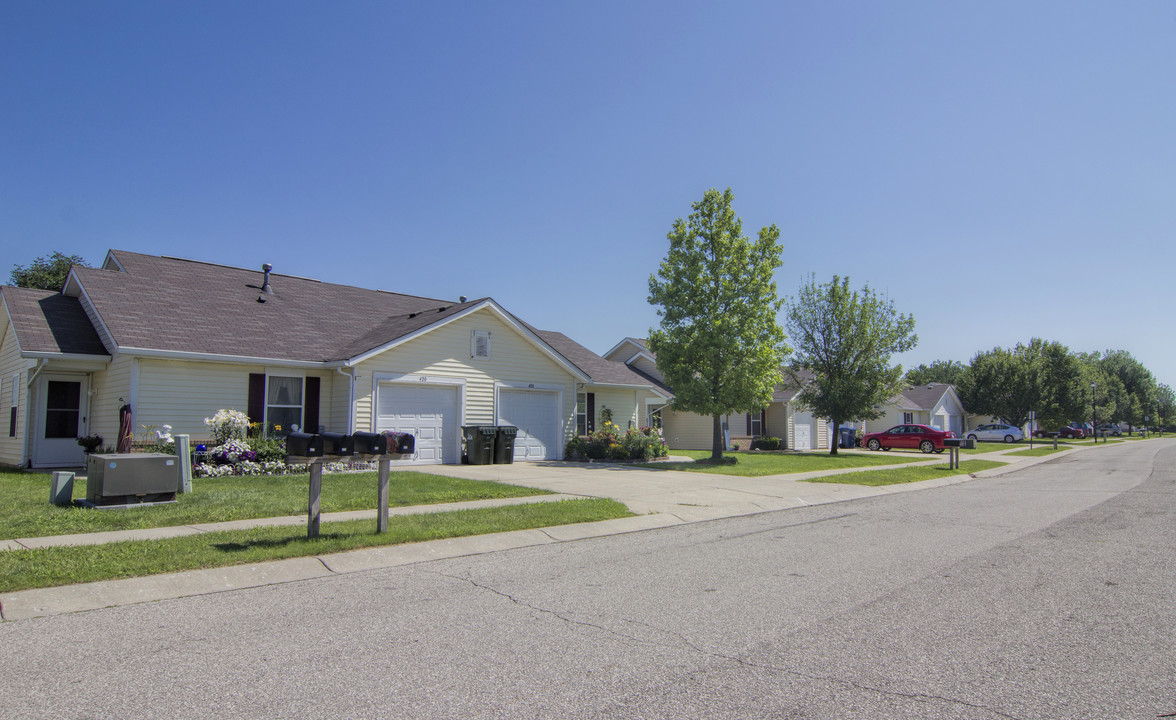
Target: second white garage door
429 412
536 414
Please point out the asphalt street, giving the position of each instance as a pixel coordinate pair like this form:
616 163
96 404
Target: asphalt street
1045 593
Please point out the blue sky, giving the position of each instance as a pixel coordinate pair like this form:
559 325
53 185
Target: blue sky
1002 170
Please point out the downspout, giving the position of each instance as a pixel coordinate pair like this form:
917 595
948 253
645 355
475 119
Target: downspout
28 412
350 397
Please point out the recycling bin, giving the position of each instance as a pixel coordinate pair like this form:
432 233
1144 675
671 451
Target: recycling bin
847 437
504 444
479 442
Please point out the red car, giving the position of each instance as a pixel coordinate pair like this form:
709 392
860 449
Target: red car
923 437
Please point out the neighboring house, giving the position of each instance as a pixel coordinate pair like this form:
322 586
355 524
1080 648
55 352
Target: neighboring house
783 417
934 404
176 340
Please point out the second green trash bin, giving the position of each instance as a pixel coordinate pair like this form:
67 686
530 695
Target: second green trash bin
504 444
479 442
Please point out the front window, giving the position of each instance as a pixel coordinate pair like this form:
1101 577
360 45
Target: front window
283 408
908 418
581 413
756 424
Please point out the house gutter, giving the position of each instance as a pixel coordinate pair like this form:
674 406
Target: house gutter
27 451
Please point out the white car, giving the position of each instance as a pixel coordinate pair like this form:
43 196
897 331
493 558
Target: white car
996 432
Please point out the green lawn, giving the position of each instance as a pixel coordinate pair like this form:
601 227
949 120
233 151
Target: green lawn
897 476
25 510
48 567
751 464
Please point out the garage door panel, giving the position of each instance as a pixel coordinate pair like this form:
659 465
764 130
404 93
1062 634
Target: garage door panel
536 415
429 412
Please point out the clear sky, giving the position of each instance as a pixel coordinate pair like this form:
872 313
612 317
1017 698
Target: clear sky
1002 170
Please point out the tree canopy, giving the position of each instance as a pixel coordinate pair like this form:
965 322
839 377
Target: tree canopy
719 346
940 371
1043 377
845 339
45 273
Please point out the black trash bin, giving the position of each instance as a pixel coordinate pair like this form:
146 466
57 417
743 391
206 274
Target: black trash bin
479 442
504 444
847 437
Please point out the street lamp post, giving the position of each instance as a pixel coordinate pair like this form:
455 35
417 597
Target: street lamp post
1093 413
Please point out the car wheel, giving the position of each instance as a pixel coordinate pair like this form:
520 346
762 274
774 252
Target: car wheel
927 446
1009 438
973 438
874 444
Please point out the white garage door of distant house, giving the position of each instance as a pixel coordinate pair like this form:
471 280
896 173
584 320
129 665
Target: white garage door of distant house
536 414
431 413
804 430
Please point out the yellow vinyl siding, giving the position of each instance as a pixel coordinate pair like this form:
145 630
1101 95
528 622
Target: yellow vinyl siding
11 363
646 366
107 387
623 403
687 431
445 353
182 394
776 421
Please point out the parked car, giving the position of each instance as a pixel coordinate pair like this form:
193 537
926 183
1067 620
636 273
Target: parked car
1073 431
996 432
1110 429
922 437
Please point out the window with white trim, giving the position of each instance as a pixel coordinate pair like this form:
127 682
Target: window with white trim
283 403
12 406
581 413
755 422
479 343
908 418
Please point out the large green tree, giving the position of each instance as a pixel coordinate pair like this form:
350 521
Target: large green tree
719 346
45 273
1042 377
940 371
1165 406
1139 387
845 339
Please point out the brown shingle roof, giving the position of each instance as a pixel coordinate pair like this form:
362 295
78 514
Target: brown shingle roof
47 321
177 305
606 372
924 397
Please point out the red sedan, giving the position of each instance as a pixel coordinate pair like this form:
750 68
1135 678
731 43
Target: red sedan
923 437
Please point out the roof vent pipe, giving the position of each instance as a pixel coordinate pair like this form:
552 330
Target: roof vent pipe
461 299
265 286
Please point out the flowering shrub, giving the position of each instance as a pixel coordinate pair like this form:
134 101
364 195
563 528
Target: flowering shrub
609 443
233 451
228 425
261 468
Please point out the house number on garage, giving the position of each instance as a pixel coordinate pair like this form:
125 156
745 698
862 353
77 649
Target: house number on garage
423 379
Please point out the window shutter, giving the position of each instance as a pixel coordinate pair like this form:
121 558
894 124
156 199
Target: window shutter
591 412
310 405
749 424
256 407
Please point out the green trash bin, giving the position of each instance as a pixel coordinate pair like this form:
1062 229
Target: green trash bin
504 444
479 442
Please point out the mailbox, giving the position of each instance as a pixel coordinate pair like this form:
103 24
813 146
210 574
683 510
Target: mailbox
366 443
953 442
337 444
401 443
304 445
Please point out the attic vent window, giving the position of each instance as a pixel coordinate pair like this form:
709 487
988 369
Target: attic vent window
479 343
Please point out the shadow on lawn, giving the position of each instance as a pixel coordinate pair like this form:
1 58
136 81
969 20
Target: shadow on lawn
234 547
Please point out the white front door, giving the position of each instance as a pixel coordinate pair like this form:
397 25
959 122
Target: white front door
536 414
62 409
430 413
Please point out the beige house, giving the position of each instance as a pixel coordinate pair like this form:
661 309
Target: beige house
934 404
171 341
783 417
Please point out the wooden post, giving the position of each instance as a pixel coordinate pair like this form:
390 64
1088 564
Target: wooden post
316 491
382 496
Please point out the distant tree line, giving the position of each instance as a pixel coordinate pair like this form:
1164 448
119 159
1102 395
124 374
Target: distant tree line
1059 385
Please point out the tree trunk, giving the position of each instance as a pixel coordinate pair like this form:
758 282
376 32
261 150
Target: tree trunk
717 441
836 439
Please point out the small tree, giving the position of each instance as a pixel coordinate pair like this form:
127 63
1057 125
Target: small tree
845 339
940 371
719 346
45 273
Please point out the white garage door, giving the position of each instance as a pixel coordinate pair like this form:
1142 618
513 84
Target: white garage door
803 429
536 414
429 412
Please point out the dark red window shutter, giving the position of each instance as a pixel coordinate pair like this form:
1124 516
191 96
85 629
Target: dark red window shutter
591 412
310 405
256 410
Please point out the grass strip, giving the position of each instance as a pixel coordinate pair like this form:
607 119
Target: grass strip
50 567
898 476
25 510
758 464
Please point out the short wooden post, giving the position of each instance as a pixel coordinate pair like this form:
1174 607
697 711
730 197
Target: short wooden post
316 491
382 496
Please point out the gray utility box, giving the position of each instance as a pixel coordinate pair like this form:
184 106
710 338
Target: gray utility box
128 478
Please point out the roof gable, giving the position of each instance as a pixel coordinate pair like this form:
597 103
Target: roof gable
48 322
924 397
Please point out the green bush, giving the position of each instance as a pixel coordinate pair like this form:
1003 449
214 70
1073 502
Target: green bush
766 443
268 449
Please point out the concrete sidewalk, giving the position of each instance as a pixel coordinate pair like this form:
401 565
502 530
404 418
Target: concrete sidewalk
660 499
